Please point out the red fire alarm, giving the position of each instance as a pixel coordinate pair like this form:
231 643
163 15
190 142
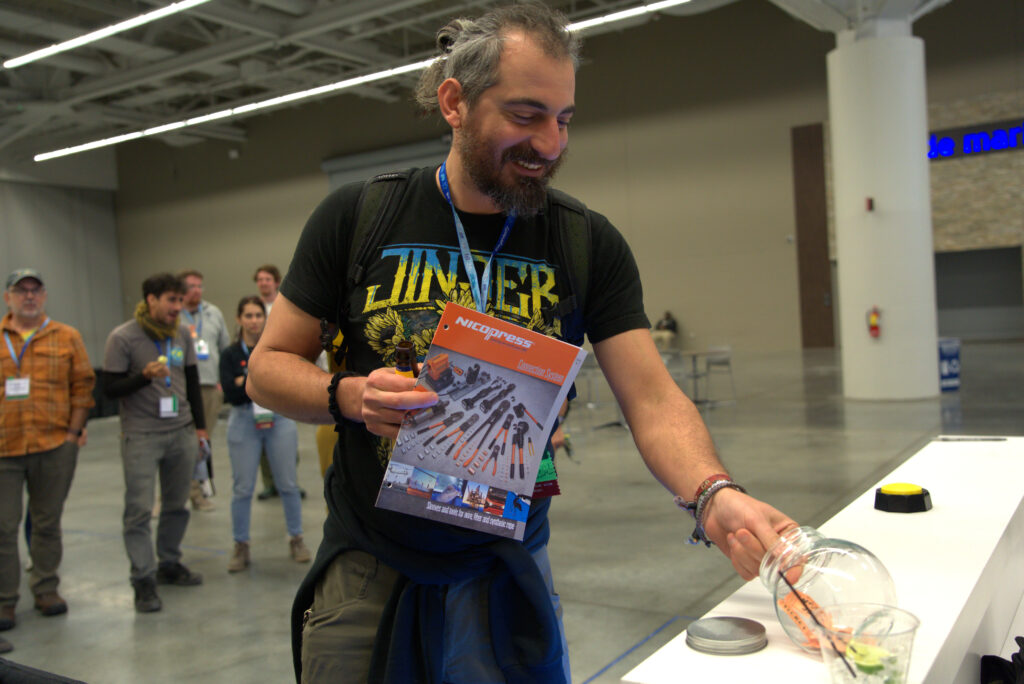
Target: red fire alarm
870 202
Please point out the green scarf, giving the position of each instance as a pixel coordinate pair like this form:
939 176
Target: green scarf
153 329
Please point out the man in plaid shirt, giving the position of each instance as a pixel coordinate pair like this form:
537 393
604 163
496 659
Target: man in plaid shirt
46 400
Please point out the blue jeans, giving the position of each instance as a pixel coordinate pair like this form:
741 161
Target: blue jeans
245 443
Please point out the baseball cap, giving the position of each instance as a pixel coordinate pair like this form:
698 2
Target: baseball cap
20 274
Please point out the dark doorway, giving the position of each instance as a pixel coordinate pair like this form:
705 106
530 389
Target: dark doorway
816 317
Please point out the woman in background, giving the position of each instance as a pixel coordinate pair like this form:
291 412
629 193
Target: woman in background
252 429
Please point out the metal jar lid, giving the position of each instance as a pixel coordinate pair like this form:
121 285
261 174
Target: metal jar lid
726 636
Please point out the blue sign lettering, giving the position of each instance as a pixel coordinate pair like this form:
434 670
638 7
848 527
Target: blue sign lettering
1003 135
940 147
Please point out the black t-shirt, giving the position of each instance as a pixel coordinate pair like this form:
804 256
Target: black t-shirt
417 270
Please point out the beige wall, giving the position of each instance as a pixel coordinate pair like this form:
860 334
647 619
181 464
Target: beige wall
195 207
681 138
978 201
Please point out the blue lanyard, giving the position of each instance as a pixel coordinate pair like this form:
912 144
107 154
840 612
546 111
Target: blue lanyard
192 321
479 290
245 350
10 347
167 355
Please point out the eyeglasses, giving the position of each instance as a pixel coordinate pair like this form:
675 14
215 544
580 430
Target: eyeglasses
26 291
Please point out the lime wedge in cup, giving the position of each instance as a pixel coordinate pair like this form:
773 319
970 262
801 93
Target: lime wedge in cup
867 658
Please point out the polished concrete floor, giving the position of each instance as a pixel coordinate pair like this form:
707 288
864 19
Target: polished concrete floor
628 582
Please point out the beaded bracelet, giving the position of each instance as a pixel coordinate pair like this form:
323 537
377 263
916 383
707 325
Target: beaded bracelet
332 395
705 498
708 482
698 508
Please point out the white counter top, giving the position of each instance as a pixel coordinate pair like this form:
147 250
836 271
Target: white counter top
959 567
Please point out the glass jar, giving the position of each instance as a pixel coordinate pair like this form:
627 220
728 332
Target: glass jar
823 572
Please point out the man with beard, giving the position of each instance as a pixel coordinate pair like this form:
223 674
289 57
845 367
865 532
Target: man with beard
210 336
149 364
43 408
398 598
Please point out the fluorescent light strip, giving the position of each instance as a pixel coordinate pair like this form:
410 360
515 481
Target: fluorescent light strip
625 14
102 33
330 87
236 111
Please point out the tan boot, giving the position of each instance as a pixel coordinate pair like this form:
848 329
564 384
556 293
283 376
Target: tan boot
240 558
199 500
298 549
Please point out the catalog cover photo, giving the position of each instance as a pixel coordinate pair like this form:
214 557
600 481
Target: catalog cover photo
472 459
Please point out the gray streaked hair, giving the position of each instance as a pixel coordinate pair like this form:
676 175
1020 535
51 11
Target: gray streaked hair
470 49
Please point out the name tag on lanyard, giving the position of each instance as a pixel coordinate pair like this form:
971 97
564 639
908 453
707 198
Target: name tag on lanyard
196 328
16 388
263 417
169 407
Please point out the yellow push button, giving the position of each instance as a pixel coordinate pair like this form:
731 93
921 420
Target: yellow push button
901 489
902 497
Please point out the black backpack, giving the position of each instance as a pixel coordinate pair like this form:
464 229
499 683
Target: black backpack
379 204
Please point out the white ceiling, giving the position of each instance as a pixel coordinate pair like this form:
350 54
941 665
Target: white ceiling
218 55
228 53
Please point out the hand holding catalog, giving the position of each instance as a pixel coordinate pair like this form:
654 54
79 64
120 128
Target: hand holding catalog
470 460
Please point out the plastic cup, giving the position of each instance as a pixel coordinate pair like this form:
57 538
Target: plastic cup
866 643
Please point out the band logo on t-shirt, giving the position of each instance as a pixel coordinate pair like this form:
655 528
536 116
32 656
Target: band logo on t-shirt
426 278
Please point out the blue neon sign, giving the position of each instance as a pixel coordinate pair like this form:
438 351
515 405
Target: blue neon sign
977 139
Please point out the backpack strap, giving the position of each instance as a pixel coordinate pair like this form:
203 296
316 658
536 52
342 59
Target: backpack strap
376 209
570 223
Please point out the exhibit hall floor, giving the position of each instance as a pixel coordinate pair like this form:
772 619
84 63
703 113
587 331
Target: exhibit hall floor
628 581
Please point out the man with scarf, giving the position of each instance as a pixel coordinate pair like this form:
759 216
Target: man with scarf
150 367
397 598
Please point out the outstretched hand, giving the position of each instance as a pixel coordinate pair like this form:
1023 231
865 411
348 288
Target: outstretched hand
386 398
744 528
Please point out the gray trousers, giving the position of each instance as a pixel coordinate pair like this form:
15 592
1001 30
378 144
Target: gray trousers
47 476
173 455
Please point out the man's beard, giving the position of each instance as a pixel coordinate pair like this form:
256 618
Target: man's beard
526 195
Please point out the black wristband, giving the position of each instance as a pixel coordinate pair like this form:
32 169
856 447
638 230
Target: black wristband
332 395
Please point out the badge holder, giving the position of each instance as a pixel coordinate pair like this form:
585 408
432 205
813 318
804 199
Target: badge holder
263 417
169 407
16 388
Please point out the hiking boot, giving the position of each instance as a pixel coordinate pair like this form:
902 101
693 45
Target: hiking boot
50 603
177 574
298 550
200 502
146 599
7 620
240 558
5 646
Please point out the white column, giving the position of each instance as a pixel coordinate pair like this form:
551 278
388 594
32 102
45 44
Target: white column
879 137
